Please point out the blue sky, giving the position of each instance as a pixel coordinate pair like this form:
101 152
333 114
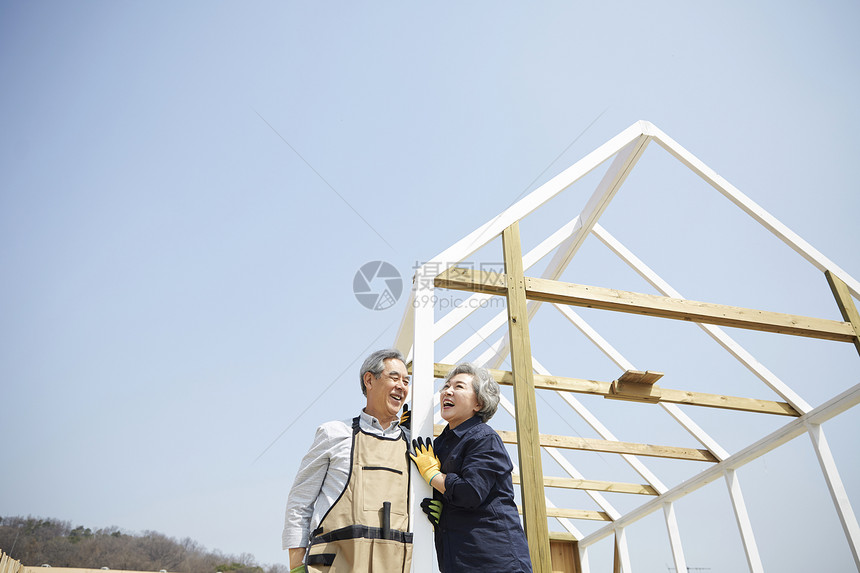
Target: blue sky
187 190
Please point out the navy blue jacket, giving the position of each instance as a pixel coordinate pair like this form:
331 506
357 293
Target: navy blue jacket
479 530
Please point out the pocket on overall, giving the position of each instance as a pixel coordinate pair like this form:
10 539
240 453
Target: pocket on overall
360 555
390 555
344 556
381 484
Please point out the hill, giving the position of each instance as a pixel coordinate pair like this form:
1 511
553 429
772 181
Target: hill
35 541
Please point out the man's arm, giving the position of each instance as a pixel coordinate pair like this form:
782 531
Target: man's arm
306 488
297 556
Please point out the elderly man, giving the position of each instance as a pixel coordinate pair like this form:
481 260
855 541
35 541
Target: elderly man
348 508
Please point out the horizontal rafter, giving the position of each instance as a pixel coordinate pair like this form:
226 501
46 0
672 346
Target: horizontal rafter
574 513
544 290
595 485
597 388
608 446
613 447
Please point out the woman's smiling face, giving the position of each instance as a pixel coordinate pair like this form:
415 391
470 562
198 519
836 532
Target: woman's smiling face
458 400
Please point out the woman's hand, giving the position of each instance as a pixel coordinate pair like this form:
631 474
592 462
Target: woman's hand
433 509
426 461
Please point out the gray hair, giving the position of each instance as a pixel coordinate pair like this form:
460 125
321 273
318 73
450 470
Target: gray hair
485 386
375 364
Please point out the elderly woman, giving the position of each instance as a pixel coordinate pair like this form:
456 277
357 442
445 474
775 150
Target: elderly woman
478 528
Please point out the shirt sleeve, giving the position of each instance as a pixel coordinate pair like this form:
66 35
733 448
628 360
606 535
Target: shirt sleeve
306 488
485 461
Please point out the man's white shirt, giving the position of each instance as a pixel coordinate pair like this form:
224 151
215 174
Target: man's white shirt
323 475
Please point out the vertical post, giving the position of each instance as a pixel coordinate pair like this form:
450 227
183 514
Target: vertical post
565 556
846 304
423 551
528 441
622 555
674 537
837 490
744 524
583 559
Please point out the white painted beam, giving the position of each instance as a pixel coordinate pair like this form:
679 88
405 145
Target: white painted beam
744 524
752 209
715 332
786 433
423 548
622 550
674 537
466 246
471 304
837 490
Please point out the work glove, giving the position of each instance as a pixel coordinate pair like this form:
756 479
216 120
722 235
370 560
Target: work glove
406 417
299 569
433 509
424 458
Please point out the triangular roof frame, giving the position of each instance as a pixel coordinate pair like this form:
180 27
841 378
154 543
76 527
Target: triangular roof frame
419 330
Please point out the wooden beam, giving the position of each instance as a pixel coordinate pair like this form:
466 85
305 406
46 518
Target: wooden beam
544 290
565 555
525 403
846 304
597 388
829 410
595 485
573 514
613 447
636 386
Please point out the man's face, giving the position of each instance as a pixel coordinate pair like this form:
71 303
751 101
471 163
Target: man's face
387 394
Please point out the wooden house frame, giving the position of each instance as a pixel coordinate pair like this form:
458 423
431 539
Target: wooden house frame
524 294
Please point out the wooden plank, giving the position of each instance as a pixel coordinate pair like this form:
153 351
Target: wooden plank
636 386
525 404
573 514
727 402
459 278
652 305
565 556
846 304
613 447
597 388
595 485
639 377
689 310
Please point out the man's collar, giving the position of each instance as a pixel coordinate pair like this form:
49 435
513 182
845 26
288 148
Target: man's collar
374 423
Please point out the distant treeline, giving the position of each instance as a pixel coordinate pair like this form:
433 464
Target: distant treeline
37 541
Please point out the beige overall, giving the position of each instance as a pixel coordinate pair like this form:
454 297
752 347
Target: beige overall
360 533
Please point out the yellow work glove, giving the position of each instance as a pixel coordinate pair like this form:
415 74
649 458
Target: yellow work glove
424 458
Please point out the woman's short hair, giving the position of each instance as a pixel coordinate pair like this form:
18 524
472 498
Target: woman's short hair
375 364
485 386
